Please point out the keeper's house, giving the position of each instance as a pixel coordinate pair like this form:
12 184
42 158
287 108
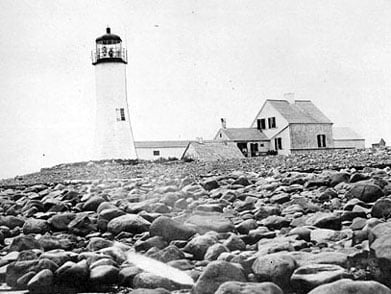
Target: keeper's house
289 126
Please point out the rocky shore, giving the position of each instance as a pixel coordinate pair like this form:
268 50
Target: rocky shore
311 223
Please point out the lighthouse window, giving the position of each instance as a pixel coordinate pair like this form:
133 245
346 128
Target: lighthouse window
120 114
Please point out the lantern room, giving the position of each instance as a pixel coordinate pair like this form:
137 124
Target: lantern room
109 49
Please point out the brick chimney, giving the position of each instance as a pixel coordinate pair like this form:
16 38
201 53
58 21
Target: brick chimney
290 97
223 123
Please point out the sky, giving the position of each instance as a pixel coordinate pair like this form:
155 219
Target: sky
191 63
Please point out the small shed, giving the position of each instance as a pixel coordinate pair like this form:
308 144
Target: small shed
380 145
212 151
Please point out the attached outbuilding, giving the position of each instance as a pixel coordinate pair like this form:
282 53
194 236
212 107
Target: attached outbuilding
152 150
346 138
212 151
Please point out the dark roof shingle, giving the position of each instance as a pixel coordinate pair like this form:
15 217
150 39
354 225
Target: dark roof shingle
245 134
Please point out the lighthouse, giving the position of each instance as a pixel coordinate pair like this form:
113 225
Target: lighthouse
113 131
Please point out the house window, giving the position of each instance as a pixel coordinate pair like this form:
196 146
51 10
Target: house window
261 124
262 145
120 114
278 143
221 135
272 122
321 141
156 152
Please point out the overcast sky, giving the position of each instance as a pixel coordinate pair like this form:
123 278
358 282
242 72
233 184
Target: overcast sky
191 62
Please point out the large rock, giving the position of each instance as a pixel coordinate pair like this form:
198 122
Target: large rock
104 274
382 208
81 225
35 226
206 222
148 280
93 203
365 192
11 221
325 221
217 273
61 221
199 245
73 274
17 269
23 242
308 277
41 283
131 223
277 268
346 286
168 254
248 288
170 229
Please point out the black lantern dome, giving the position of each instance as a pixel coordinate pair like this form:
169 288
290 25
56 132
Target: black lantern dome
109 49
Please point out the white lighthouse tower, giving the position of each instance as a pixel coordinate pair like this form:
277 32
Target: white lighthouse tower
113 131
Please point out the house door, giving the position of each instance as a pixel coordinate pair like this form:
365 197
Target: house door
243 148
254 149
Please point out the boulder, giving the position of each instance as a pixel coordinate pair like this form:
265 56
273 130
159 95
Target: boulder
61 221
93 203
131 223
206 222
277 268
308 277
199 245
104 274
148 280
35 226
170 229
382 208
41 283
17 269
23 242
168 254
73 274
346 286
248 288
365 192
215 274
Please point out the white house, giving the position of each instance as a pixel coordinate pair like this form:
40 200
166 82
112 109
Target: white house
289 126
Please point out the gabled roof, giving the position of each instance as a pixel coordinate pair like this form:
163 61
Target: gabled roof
161 144
212 151
244 134
302 111
344 133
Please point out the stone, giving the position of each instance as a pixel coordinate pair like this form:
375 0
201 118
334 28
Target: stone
214 251
199 245
325 220
148 280
346 286
168 254
93 203
81 225
248 288
23 242
206 222
365 192
215 274
104 274
309 276
17 269
73 274
234 243
127 274
22 282
131 223
170 229
337 178
35 226
275 222
150 291
155 241
277 268
61 221
382 208
246 226
210 184
41 283
98 243
11 221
